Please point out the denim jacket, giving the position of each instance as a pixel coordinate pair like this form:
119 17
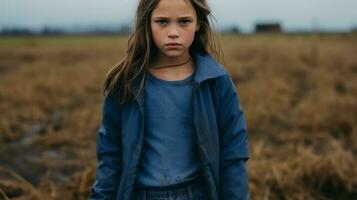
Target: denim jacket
219 124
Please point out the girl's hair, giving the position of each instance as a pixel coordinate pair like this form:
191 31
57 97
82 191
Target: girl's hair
141 49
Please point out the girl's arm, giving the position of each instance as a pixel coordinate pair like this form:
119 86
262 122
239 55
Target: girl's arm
109 157
234 148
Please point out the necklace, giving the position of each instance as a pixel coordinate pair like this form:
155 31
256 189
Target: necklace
173 65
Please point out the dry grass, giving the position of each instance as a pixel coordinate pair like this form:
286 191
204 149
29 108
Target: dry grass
298 93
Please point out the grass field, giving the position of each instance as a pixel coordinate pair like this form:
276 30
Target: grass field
298 92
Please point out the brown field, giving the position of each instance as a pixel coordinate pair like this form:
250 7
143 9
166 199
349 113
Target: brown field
298 92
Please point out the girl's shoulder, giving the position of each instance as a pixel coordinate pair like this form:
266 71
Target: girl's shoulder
223 86
112 101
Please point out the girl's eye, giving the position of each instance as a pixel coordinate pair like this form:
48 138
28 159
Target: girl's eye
161 22
185 21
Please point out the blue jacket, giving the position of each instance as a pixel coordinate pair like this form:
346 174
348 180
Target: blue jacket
221 131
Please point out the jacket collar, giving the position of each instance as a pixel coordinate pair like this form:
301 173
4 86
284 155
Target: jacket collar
206 67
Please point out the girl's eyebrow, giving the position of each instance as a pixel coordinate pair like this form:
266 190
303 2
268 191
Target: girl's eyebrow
184 17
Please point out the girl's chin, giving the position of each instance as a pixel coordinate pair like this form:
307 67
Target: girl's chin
173 52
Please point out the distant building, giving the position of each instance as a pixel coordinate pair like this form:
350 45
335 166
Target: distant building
268 28
234 29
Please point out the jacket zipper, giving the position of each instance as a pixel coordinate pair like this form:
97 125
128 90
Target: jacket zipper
141 145
205 176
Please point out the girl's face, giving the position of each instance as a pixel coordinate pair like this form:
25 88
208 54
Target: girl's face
173 21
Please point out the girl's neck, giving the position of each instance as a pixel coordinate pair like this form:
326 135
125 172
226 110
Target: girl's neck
163 61
174 72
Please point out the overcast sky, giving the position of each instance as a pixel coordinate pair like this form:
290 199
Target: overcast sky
292 14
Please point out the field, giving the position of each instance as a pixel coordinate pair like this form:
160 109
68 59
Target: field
298 92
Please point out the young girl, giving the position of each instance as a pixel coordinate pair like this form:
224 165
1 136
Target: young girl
172 126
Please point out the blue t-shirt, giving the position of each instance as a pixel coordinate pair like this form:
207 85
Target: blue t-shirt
170 153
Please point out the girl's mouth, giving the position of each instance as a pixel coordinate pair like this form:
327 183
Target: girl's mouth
172 45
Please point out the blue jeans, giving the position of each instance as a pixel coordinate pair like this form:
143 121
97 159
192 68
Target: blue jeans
191 190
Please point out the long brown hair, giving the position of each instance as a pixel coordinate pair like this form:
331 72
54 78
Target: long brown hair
129 75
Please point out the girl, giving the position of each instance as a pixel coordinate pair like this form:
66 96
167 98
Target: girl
172 124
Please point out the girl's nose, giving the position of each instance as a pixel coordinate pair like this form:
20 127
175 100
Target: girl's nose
173 33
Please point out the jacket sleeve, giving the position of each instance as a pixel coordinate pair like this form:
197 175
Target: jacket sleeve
234 148
108 172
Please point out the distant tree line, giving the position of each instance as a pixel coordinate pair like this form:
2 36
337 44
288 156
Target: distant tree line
272 27
124 29
20 31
